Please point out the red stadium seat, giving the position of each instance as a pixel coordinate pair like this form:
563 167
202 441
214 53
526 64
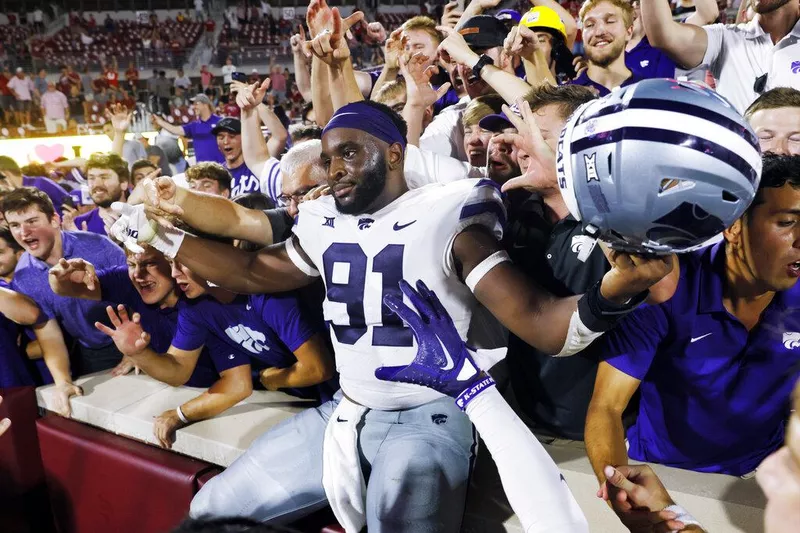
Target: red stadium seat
24 505
100 482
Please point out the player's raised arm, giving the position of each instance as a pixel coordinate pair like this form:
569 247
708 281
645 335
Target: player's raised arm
207 213
278 268
558 326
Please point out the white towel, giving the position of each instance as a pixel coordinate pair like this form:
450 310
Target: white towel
342 477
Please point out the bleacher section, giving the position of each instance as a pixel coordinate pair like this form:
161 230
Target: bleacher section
125 43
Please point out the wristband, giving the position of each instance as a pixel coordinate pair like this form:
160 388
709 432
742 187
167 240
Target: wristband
482 62
471 392
181 415
599 314
682 515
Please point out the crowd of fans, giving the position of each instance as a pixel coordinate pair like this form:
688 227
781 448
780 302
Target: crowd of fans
207 271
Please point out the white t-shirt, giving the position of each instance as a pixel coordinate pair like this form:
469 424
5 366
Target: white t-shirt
738 54
38 16
422 167
22 87
227 70
445 135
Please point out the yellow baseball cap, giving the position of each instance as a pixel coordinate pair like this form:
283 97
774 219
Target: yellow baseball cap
543 17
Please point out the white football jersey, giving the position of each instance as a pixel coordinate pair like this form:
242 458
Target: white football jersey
361 258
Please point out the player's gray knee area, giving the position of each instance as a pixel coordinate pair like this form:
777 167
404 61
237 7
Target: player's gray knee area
279 476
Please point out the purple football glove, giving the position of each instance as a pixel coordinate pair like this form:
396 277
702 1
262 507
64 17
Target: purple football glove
443 362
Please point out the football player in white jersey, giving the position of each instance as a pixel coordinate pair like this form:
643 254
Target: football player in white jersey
411 443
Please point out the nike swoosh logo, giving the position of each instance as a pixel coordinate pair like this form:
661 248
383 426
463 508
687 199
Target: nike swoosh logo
398 227
231 356
695 339
339 419
248 307
450 364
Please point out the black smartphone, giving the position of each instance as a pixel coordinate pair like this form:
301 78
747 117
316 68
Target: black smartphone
239 76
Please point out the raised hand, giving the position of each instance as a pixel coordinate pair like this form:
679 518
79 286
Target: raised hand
330 45
443 362
119 116
521 41
127 333
319 17
297 41
394 48
68 215
419 90
76 271
541 168
376 33
451 15
455 49
250 97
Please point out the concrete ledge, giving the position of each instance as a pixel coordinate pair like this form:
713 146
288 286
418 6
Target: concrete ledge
126 406
723 504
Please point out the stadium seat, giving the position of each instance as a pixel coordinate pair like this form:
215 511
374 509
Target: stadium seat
24 505
101 482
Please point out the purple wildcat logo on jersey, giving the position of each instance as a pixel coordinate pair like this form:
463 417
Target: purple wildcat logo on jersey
795 67
365 223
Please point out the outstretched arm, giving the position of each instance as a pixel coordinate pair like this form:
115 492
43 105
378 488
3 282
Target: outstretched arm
18 308
56 357
254 147
208 213
301 64
172 128
686 44
233 386
522 306
278 136
314 365
173 368
267 271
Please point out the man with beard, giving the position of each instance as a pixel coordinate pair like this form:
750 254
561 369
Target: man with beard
368 235
607 28
745 59
36 227
107 177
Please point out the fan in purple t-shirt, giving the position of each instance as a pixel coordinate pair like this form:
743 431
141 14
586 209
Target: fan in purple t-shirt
297 349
